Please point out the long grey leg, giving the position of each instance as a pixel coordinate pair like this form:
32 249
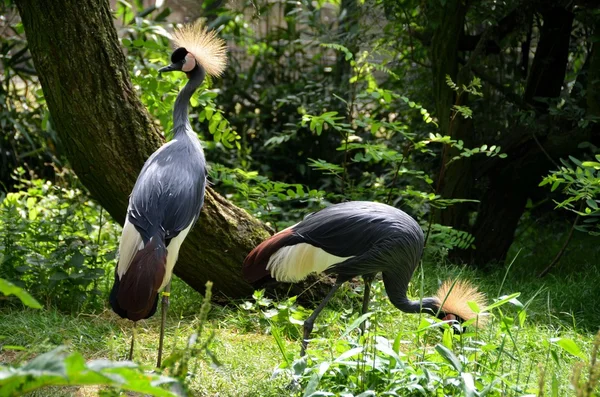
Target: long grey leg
132 341
310 321
165 306
366 296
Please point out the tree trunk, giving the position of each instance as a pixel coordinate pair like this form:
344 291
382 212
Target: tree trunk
513 180
348 32
107 133
455 180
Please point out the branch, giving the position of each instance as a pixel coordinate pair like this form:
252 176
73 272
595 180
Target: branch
563 248
502 28
507 93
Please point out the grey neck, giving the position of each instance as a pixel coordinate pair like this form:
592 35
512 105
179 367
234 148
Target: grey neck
180 110
427 305
396 285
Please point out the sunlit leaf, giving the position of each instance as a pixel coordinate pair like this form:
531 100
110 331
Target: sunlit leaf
8 288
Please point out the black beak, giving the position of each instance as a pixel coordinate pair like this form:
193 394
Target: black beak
172 67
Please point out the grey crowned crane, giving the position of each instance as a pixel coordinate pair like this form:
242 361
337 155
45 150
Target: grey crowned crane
357 238
169 193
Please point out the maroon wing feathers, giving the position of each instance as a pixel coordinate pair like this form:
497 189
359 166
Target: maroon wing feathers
140 283
255 265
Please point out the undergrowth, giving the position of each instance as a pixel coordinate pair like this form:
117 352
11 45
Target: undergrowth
532 346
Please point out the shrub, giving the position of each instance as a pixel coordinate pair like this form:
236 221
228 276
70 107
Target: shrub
56 243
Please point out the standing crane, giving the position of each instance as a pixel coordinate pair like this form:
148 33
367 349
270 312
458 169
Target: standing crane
169 193
357 238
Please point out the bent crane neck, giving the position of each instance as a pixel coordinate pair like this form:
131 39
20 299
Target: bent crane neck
396 287
428 306
181 122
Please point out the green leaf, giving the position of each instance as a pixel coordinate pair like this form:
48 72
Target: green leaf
356 323
591 164
555 386
8 288
59 275
77 260
522 317
474 306
349 353
571 347
56 368
468 384
447 338
449 356
503 300
279 340
311 387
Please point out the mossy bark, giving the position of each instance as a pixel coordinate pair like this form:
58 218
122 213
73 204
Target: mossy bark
107 133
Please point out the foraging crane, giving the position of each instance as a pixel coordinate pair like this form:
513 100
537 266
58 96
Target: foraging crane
357 238
169 193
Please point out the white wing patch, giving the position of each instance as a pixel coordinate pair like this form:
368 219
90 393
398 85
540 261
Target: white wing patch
131 242
295 262
173 253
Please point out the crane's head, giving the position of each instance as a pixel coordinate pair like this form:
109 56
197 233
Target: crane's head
181 60
454 297
197 47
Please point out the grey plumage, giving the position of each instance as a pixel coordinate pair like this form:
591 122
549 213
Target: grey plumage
379 237
169 192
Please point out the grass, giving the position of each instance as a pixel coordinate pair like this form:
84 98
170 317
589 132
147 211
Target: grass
255 340
249 354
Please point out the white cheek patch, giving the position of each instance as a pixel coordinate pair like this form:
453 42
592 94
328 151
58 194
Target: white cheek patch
190 63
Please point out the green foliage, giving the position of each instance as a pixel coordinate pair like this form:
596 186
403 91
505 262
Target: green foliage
261 196
320 107
282 318
178 363
588 386
57 244
356 138
26 132
59 368
416 359
580 183
446 238
540 328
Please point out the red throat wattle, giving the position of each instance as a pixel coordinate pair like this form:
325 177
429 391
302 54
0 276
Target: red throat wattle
449 317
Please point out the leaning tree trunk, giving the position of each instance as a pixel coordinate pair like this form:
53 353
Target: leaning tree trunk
107 133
